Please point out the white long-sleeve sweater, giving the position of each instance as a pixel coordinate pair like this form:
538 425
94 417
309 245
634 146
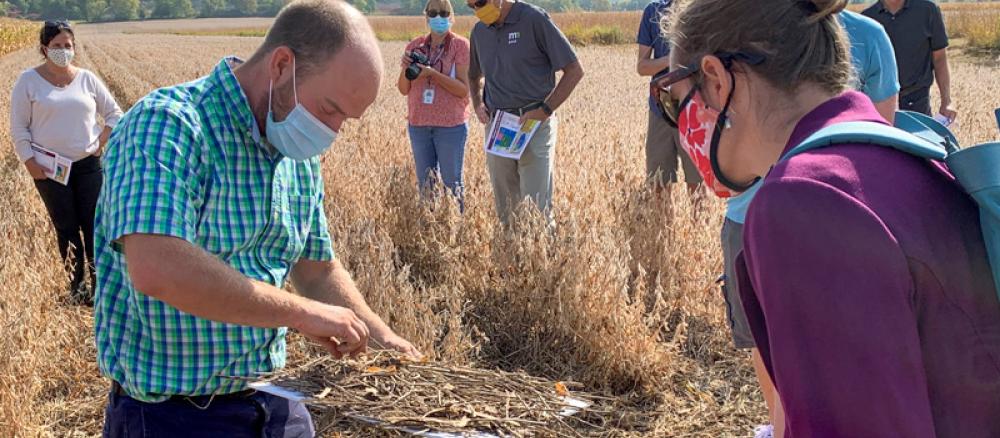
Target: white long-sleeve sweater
63 120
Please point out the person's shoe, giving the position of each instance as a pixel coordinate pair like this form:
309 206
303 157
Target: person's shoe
765 431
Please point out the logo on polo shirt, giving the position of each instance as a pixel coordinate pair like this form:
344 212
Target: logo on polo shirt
513 37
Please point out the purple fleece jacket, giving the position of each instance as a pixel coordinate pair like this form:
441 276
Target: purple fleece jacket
871 298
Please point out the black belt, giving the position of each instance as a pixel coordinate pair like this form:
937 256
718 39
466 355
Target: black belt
522 110
914 93
197 400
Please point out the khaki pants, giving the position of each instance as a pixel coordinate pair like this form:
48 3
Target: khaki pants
529 177
662 150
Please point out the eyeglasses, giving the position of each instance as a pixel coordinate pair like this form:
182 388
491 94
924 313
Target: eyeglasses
434 14
670 108
478 4
59 24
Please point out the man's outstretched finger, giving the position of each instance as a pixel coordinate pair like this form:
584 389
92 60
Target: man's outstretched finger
362 329
350 335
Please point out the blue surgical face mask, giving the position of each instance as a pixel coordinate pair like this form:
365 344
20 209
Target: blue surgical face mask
439 25
301 135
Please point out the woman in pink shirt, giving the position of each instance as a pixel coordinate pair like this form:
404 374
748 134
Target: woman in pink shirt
437 93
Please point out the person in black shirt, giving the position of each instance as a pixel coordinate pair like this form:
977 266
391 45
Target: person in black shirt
916 29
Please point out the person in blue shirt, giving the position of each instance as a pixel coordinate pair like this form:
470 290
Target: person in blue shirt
876 75
662 149
874 62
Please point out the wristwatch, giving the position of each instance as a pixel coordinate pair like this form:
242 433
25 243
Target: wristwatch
545 107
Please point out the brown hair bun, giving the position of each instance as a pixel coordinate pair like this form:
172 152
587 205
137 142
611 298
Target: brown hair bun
826 8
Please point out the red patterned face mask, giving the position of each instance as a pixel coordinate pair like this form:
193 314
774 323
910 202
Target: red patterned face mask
700 128
696 125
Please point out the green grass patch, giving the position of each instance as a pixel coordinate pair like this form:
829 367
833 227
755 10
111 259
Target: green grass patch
599 35
399 34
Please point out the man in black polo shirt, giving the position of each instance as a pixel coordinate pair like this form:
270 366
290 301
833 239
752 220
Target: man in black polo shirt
518 49
918 37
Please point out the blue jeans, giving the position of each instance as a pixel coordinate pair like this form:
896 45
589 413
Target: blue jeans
258 415
440 150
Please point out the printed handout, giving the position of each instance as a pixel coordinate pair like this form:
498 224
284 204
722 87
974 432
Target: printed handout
57 167
507 137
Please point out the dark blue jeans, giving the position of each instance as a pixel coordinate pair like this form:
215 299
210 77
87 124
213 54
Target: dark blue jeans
258 415
440 149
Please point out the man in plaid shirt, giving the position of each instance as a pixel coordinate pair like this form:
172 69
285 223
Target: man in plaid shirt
214 196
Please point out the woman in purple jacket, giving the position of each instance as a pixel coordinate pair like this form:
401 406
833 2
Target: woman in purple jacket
870 295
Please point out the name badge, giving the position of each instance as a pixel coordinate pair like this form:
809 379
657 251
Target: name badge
428 96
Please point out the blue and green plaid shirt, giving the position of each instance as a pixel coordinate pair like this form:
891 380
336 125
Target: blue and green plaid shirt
187 161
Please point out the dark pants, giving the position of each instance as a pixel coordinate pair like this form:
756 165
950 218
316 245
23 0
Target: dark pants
71 209
917 101
258 415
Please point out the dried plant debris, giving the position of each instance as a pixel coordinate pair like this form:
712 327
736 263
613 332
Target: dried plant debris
391 391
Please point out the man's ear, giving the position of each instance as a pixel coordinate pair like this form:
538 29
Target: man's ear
280 66
717 83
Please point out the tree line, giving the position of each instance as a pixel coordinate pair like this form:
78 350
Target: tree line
121 10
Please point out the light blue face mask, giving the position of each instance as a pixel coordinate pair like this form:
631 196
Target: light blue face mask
301 135
439 25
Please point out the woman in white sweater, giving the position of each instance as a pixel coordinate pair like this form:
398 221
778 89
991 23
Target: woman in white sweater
55 106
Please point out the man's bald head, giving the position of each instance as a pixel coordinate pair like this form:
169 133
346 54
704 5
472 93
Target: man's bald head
316 30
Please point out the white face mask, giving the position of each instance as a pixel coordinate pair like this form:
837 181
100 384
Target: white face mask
60 57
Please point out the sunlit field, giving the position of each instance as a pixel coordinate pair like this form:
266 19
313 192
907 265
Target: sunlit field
621 296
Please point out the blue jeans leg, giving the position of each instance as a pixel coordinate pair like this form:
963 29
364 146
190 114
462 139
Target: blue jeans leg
450 147
285 418
424 153
256 416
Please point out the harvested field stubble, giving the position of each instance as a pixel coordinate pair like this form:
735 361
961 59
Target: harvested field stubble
619 296
442 397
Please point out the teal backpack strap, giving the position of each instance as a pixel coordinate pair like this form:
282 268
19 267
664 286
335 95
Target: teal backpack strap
870 133
976 169
927 128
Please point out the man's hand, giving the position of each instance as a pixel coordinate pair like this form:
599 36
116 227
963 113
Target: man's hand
535 114
482 114
948 111
34 169
392 341
335 328
102 141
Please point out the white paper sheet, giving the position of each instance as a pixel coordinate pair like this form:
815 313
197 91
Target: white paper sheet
944 121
